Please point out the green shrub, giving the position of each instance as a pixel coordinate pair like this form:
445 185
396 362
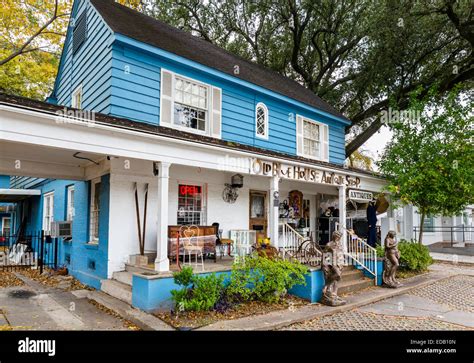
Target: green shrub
380 251
413 256
198 293
264 279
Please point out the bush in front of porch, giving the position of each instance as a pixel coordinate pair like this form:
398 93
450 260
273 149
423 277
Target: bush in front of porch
253 278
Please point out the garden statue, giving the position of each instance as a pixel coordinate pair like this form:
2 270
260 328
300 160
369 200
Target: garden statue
392 256
333 263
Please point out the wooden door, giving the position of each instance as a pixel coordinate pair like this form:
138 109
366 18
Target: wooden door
258 213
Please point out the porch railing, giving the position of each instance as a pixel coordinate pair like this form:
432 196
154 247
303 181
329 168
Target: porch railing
243 241
289 240
362 254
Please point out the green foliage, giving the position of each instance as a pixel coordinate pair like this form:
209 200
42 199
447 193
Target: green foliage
184 277
430 161
413 256
263 279
198 293
380 251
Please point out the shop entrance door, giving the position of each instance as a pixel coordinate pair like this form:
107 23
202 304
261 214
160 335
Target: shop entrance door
258 213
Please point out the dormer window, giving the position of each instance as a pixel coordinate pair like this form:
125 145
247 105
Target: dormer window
261 119
190 104
312 139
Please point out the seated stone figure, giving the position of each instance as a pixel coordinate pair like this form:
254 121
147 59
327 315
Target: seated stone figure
333 263
392 256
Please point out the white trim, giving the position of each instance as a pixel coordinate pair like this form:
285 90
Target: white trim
70 212
74 94
93 239
267 118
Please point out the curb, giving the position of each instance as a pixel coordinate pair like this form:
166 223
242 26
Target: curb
141 319
280 319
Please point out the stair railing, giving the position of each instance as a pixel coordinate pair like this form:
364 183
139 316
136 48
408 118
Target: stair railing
289 240
360 252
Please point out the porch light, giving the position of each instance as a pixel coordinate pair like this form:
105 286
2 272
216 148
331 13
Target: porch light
237 181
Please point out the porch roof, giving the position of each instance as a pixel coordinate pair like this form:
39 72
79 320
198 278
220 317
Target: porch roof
16 195
123 123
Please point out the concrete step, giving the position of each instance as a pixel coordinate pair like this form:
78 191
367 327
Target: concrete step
345 287
118 290
138 269
125 277
352 275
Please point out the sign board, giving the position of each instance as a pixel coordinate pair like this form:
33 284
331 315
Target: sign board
294 172
360 196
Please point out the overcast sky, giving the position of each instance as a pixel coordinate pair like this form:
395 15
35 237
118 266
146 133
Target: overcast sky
377 142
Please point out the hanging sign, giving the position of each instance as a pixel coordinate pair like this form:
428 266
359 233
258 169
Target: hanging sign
359 196
294 172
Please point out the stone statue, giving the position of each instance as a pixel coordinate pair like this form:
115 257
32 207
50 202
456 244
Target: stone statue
392 256
333 263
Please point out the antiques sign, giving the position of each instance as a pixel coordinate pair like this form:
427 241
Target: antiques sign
260 167
359 196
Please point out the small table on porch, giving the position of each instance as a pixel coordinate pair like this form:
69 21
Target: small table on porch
226 242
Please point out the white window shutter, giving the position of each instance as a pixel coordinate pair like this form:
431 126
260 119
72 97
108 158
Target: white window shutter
166 98
325 143
299 135
216 113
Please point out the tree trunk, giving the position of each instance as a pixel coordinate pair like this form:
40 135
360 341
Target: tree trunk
422 221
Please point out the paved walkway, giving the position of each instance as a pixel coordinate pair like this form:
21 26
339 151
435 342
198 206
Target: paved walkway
407 308
34 306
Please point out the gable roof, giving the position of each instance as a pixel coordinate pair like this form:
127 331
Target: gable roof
146 29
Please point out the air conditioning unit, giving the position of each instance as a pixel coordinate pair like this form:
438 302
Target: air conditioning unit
61 229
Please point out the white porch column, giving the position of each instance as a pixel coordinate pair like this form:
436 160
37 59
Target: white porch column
162 262
342 215
273 211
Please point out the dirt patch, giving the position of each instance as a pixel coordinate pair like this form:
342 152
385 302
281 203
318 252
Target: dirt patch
128 324
52 279
8 279
196 319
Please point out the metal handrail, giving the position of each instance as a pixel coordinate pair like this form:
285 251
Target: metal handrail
361 252
452 229
289 239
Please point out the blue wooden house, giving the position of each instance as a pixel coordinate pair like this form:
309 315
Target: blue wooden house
141 108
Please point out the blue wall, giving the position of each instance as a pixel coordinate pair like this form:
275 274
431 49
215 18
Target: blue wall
89 66
136 95
82 255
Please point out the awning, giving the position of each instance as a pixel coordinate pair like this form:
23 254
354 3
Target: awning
16 195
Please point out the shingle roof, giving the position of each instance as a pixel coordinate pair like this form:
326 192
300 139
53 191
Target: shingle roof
28 103
146 29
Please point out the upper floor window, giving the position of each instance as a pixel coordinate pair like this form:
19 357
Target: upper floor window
190 104
261 119
312 139
76 100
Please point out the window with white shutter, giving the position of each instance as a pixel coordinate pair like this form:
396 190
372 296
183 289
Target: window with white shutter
190 105
312 139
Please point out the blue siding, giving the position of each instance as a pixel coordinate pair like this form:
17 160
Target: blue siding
90 66
136 95
80 252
